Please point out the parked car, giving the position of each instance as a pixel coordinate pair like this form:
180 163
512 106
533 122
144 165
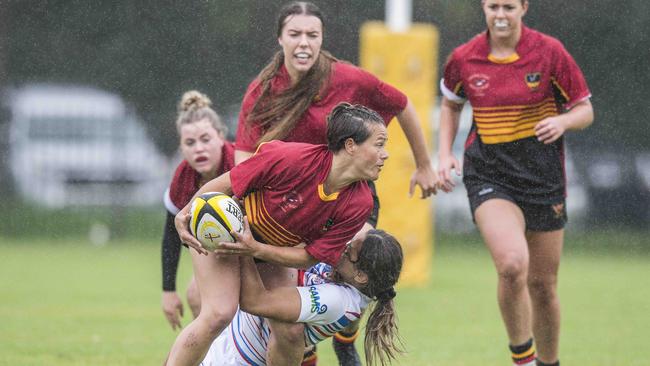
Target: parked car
452 209
77 145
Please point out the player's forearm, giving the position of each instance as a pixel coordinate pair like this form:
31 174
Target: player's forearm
285 256
449 120
579 117
409 122
170 253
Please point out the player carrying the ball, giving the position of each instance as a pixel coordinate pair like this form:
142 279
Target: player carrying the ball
306 201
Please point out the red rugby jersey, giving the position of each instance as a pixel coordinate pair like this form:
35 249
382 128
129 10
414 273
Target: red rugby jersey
185 182
347 83
282 186
509 97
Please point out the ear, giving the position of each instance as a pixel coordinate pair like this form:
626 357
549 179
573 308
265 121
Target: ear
350 145
525 6
361 278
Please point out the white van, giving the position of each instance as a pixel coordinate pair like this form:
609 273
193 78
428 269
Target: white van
75 145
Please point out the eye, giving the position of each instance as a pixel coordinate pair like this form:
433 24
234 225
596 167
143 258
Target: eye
189 142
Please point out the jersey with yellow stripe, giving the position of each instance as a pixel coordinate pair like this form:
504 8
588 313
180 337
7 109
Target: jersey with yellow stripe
509 97
284 199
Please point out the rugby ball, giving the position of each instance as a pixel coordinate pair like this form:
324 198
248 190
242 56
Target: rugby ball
213 216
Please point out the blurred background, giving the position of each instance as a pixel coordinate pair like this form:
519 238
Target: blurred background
89 92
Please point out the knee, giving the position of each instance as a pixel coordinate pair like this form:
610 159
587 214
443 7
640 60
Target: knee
543 289
216 319
512 268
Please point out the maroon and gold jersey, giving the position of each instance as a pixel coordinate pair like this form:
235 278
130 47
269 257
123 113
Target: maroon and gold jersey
347 83
284 199
186 180
509 97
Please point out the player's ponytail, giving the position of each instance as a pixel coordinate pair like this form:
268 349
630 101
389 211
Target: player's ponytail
381 259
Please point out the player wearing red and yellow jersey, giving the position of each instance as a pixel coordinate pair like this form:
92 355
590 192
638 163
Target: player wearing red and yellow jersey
320 181
526 91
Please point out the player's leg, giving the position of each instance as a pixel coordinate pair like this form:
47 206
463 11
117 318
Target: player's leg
343 343
545 251
502 226
193 297
217 278
286 345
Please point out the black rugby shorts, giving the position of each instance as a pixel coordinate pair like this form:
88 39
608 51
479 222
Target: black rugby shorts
539 217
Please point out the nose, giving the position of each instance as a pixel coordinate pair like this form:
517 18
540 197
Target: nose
500 13
303 41
384 155
200 146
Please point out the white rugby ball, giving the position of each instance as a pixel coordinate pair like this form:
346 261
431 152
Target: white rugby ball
214 216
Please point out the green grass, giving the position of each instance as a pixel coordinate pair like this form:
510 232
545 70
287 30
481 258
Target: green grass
66 302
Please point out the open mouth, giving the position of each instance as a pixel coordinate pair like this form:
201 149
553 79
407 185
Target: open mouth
501 24
201 159
302 56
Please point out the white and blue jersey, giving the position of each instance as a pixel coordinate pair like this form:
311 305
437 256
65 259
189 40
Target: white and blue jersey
326 308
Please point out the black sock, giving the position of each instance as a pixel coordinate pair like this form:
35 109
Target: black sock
540 363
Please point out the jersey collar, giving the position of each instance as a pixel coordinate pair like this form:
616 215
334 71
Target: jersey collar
520 49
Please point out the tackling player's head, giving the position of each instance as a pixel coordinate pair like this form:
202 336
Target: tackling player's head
380 258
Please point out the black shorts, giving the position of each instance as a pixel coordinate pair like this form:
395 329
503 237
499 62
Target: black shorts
539 217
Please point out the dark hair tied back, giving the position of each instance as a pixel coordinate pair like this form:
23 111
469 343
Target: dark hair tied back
350 121
386 295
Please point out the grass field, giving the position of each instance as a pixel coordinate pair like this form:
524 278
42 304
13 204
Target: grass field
66 302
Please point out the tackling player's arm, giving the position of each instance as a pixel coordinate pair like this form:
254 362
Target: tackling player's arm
280 303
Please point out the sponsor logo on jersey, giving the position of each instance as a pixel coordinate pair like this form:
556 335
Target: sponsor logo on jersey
533 79
316 306
328 224
558 209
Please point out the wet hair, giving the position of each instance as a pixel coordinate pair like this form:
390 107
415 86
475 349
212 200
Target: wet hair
196 106
350 121
278 114
380 258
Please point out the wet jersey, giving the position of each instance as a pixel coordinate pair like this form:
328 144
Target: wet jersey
286 204
509 97
326 308
347 83
186 180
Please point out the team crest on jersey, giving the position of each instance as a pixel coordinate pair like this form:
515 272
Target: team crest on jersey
291 201
533 79
479 81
